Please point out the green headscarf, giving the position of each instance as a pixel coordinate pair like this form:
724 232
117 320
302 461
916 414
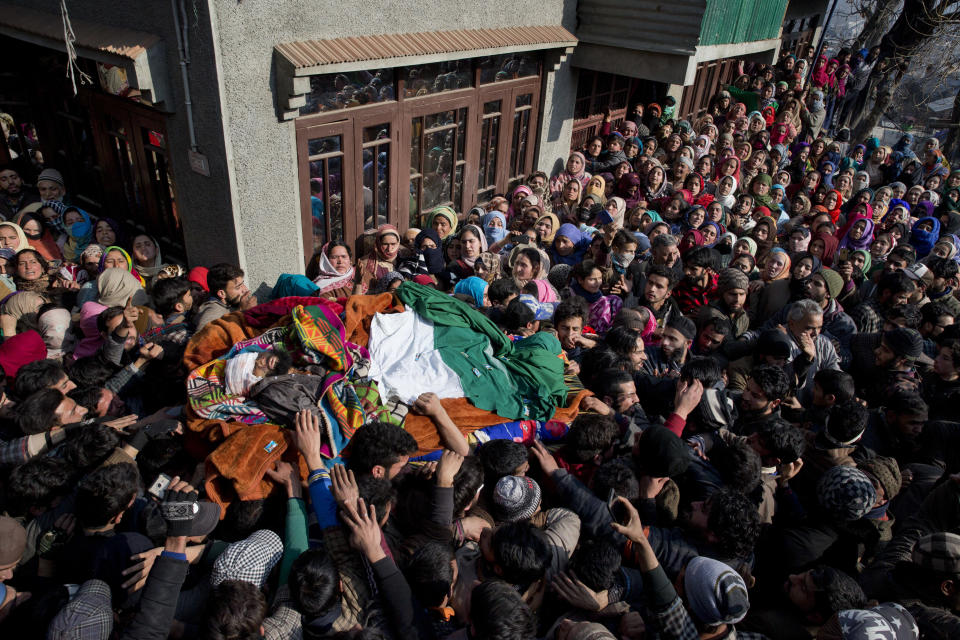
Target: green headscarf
867 260
766 200
446 212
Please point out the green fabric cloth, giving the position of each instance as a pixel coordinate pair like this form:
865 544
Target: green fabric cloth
295 536
517 381
750 99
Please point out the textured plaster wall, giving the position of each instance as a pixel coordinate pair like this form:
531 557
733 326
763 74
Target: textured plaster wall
204 203
262 149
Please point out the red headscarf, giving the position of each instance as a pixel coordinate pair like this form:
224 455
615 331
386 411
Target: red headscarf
829 247
835 212
19 350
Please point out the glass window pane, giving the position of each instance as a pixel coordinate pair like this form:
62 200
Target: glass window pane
415 203
461 133
458 186
509 66
326 196
344 90
437 77
317 146
376 132
416 131
524 100
375 185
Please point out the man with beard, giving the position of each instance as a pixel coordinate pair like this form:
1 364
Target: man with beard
823 287
13 197
895 366
228 293
666 359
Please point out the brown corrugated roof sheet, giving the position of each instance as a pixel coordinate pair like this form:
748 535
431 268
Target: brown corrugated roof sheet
310 53
91 35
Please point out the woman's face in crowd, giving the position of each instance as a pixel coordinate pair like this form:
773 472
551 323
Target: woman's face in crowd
672 211
830 201
816 247
709 234
796 242
803 268
729 167
72 217
881 246
144 251
114 260
725 188
32 228
743 264
544 227
856 231
470 246
389 245
340 259
574 165
9 238
775 264
715 212
844 182
594 148
28 266
595 183
926 225
522 269
760 233
741 247
571 192
591 283
442 226
761 188
453 249
104 234
696 218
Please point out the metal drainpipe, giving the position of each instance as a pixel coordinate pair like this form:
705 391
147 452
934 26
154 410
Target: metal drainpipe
180 25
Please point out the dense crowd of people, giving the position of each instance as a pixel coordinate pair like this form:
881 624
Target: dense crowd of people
698 384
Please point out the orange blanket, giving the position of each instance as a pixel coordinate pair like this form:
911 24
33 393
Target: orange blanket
360 311
468 419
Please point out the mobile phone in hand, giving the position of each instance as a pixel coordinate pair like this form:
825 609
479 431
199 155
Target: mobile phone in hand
159 486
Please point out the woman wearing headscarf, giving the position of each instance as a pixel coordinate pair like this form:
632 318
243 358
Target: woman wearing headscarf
37 235
569 245
547 225
923 235
527 263
597 189
79 233
791 283
764 232
476 289
575 170
32 272
472 244
824 246
760 190
516 201
425 258
567 207
331 269
630 188
859 235
146 256
444 220
657 187
54 325
11 237
494 227
380 261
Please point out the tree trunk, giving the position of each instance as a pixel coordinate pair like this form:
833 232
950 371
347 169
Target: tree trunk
877 24
916 24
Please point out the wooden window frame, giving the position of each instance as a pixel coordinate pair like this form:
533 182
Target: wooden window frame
399 114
